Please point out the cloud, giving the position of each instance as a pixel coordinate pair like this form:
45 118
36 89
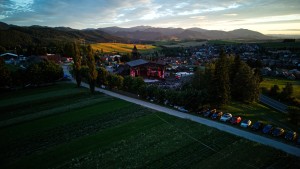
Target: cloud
230 14
212 14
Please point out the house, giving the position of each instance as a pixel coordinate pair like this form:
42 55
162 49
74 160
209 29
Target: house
147 69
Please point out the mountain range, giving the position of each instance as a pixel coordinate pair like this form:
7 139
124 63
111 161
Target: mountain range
154 34
10 35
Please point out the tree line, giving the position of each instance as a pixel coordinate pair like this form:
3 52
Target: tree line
34 74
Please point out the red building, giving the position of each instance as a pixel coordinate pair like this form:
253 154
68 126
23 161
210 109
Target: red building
147 69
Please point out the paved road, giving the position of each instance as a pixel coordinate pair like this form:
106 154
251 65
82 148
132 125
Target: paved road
273 103
223 127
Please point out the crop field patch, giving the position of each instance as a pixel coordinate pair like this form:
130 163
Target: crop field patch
122 47
112 133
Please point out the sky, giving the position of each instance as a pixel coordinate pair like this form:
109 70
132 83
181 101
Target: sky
265 16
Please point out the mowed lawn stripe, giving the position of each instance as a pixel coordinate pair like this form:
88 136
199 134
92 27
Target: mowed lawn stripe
35 126
52 111
38 90
66 152
40 97
44 104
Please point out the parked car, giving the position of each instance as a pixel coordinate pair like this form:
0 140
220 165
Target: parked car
202 111
182 109
208 113
245 123
298 141
226 117
216 115
267 129
235 120
257 126
278 132
290 135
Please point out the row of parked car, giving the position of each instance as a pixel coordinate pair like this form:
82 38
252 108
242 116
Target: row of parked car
246 123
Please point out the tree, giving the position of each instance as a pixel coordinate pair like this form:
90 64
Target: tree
72 49
235 68
138 82
34 74
244 84
287 91
5 74
115 81
274 91
50 71
92 68
102 76
135 54
2 49
128 83
221 84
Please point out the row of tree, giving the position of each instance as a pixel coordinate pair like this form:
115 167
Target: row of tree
35 74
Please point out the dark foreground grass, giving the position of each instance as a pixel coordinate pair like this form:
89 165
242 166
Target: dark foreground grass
117 134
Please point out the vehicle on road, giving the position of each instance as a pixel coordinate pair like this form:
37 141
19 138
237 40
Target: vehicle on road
226 117
235 120
278 132
267 129
257 126
245 123
290 135
216 115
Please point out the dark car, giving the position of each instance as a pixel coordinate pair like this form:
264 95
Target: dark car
235 120
257 126
202 111
216 115
267 129
278 132
290 135
209 113
298 141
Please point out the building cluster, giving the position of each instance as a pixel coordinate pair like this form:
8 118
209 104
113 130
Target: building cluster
274 62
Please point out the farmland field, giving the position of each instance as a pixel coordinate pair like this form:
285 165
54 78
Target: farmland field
122 47
106 132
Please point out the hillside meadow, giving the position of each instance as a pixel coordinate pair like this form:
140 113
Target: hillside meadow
61 126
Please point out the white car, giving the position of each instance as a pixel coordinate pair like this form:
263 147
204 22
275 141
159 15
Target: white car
226 117
245 123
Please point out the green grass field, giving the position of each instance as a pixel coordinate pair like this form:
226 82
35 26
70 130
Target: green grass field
122 47
269 82
111 133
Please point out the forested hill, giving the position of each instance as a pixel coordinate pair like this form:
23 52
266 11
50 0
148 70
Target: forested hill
12 35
